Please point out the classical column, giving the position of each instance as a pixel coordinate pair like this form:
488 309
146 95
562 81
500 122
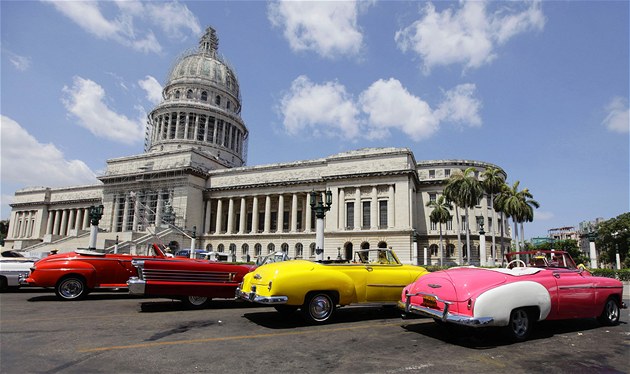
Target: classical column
79 220
219 222
205 129
374 209
280 213
125 223
64 223
196 135
341 209
159 206
86 218
57 224
309 214
176 126
49 223
267 214
358 209
294 212
206 227
186 125
136 215
255 215
242 226
71 221
390 208
230 222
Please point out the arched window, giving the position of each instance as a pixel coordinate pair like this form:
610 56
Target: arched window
189 94
464 251
204 96
177 94
365 245
228 104
257 249
244 249
285 247
312 249
434 249
450 250
382 244
299 250
233 248
209 248
220 248
217 100
271 247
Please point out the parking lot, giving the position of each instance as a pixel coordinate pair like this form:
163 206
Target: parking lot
111 332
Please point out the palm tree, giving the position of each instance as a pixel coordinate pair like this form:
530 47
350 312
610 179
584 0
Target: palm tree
498 207
518 205
440 214
464 189
492 183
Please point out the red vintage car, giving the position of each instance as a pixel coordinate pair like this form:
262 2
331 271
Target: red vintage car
75 274
194 281
535 286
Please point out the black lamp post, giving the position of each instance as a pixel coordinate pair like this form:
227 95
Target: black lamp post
94 213
320 208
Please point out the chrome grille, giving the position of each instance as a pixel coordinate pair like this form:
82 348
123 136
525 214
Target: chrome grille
186 276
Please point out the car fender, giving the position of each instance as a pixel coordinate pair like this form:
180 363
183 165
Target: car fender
84 269
499 302
297 286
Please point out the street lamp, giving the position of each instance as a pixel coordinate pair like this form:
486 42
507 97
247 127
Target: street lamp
317 205
94 213
482 242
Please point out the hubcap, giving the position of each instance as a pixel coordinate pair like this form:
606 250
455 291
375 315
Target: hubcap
71 288
320 307
197 300
520 323
612 311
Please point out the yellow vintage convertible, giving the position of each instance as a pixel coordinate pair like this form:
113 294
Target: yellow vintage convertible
317 288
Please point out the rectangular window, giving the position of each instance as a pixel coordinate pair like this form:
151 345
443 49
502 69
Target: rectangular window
449 224
285 221
480 221
274 222
447 173
464 224
350 215
365 223
432 197
434 225
431 174
382 214
490 224
261 221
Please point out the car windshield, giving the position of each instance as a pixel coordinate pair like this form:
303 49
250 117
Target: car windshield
375 256
273 257
541 259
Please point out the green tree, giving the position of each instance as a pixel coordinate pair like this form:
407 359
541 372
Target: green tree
440 214
568 245
492 182
518 205
465 190
4 231
613 236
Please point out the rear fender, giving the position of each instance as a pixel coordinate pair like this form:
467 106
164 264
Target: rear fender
500 301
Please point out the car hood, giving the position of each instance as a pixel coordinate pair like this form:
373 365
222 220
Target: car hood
458 284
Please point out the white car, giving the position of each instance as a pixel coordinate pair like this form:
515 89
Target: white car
12 265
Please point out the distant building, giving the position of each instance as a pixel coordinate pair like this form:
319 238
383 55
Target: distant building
192 174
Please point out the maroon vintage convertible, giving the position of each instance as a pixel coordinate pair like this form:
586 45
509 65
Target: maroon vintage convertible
193 281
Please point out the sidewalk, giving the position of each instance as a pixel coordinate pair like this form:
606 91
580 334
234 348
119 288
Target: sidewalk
626 290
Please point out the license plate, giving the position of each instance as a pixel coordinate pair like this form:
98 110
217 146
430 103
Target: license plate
429 301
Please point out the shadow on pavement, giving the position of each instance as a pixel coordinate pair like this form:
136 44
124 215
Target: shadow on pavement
282 320
169 305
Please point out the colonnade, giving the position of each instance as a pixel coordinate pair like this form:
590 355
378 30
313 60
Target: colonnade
198 127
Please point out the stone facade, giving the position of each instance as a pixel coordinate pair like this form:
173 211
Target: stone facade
192 176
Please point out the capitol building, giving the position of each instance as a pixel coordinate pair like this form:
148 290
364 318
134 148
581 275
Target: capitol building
192 181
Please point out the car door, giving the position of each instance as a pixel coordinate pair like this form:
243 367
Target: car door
385 282
576 294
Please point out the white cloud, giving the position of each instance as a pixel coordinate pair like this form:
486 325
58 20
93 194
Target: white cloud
325 108
85 101
153 89
468 35
21 63
541 215
172 18
385 106
389 105
617 118
27 161
328 28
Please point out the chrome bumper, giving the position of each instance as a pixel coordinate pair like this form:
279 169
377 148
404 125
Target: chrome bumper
22 277
136 286
252 297
444 315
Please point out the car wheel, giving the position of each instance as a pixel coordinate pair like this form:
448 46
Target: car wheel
71 288
196 302
318 307
610 314
520 325
286 309
3 284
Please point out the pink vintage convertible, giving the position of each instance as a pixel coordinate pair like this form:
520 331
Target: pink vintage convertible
534 286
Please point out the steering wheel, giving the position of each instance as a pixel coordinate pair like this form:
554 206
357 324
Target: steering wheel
516 263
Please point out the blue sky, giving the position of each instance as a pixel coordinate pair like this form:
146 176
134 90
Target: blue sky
540 89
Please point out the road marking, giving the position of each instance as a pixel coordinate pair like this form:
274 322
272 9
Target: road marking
226 338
